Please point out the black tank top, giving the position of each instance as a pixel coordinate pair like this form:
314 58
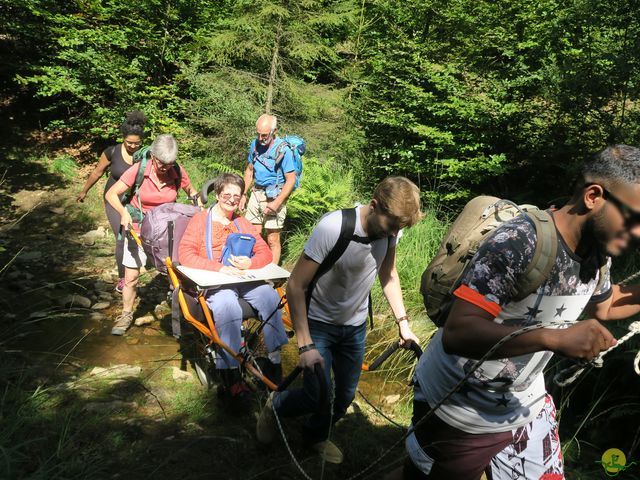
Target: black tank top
117 165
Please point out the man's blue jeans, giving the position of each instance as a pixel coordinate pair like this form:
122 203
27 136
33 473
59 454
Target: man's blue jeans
342 348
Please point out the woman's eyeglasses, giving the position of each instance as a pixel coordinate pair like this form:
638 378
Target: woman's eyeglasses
163 167
133 144
227 196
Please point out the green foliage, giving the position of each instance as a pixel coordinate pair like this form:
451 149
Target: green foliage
415 250
304 35
324 187
65 166
275 55
105 58
462 93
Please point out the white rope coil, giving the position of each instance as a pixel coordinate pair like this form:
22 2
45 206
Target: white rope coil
579 368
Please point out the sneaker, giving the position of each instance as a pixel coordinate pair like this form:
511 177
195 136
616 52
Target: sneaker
328 451
123 322
266 428
120 285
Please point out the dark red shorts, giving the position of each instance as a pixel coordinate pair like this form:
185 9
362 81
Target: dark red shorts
530 452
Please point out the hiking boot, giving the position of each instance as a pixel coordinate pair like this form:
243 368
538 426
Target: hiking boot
266 428
235 389
120 285
328 451
123 322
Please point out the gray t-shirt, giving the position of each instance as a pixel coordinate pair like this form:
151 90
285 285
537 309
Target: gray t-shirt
508 393
341 295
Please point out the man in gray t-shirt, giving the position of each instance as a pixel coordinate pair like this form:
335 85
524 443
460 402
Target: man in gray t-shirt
330 323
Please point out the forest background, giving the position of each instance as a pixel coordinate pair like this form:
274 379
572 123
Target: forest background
461 96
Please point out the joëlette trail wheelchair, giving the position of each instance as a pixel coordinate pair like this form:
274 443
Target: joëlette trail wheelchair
190 289
189 292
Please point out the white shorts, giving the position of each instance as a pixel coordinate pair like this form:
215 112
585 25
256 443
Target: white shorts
133 255
536 452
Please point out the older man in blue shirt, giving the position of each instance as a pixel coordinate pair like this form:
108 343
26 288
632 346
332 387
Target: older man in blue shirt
272 167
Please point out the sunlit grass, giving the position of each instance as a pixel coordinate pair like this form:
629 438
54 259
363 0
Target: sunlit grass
65 166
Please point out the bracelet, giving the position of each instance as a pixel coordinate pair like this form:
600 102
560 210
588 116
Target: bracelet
404 317
307 347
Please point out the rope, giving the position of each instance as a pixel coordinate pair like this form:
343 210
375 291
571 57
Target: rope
580 368
630 278
634 329
286 444
574 371
296 462
457 387
380 412
324 460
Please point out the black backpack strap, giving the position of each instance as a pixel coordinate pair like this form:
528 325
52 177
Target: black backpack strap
178 170
346 236
142 166
370 310
171 227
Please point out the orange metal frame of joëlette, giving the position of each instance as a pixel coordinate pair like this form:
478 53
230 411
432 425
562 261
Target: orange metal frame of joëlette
209 330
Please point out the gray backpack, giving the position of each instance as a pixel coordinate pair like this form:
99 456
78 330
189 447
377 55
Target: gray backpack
161 225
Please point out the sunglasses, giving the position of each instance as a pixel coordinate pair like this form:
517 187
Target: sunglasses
631 216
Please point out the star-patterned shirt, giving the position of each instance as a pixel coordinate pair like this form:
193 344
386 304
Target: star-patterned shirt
507 393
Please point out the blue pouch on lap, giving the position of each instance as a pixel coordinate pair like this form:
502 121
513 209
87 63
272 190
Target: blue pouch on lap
237 244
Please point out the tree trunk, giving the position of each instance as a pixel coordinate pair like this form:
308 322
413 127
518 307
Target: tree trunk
274 69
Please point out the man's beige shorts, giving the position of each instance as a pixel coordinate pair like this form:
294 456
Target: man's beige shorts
255 212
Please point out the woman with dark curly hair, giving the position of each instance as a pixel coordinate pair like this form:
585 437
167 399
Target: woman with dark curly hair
117 158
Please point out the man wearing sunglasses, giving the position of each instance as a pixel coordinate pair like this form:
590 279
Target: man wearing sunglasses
273 170
503 422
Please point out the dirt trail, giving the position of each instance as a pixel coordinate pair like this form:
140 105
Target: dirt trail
56 294
62 250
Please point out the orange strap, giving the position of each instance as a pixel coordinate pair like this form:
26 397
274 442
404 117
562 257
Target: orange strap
470 295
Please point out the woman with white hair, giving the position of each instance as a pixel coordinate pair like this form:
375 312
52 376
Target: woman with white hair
160 184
